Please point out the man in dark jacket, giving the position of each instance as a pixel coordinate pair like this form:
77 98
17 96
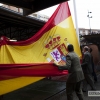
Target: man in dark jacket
87 69
75 77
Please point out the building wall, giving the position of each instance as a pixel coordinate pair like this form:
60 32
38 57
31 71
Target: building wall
96 57
84 31
36 15
41 16
95 53
13 8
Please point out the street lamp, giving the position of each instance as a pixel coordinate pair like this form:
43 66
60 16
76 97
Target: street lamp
89 19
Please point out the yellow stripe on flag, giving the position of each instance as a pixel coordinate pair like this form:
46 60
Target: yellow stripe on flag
16 83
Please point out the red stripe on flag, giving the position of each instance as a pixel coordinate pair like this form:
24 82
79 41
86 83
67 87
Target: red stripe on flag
16 70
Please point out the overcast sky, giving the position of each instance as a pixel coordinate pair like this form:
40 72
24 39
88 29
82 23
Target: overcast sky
82 7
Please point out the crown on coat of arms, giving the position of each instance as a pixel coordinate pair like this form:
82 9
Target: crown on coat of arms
52 42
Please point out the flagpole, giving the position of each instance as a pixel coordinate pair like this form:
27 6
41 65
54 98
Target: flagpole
76 22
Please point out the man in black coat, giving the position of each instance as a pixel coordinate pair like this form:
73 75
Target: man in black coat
87 69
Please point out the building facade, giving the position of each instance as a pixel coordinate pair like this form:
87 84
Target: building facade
36 15
83 31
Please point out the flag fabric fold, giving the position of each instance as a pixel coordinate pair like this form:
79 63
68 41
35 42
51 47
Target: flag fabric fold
8 71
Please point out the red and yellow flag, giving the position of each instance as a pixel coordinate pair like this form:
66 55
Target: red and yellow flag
34 57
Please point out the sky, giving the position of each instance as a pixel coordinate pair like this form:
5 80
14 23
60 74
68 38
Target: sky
82 8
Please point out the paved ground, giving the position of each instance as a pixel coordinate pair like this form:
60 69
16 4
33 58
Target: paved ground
62 95
46 90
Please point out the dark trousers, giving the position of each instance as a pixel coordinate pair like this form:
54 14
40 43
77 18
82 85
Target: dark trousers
74 87
94 76
88 79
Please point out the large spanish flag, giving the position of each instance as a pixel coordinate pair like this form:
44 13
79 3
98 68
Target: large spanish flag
25 62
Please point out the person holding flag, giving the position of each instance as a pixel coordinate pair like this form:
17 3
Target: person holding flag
75 77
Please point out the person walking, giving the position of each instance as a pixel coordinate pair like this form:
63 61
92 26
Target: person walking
87 69
75 76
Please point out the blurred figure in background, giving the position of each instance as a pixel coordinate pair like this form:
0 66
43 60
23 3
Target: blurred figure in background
94 74
87 69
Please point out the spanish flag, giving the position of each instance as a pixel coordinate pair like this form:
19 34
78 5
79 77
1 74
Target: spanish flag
29 61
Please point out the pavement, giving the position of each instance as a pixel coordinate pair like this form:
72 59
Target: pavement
47 89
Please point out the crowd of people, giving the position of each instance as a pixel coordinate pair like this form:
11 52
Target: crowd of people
80 75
